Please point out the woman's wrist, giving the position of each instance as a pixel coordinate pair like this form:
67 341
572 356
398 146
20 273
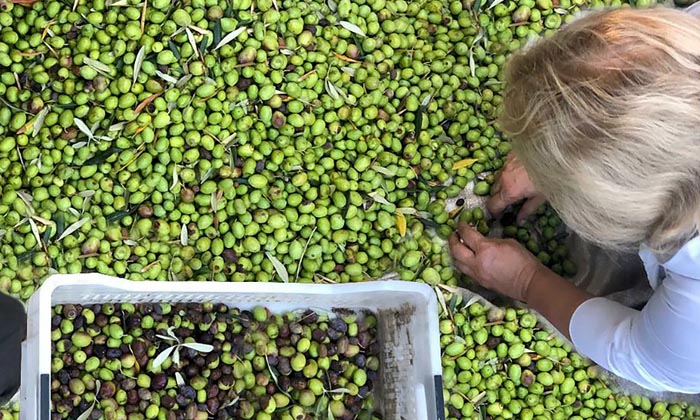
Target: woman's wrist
554 297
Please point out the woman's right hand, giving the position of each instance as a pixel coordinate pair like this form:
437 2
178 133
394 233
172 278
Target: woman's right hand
512 186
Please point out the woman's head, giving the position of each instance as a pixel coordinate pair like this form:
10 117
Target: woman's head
605 116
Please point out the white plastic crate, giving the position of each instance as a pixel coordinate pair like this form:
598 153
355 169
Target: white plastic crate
410 386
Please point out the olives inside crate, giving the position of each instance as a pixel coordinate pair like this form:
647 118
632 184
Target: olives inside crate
407 333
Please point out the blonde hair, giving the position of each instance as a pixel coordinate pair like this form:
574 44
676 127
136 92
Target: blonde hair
605 116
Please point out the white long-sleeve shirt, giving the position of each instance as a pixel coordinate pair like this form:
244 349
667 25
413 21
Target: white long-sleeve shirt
658 346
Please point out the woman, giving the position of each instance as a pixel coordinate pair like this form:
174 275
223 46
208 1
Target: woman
604 118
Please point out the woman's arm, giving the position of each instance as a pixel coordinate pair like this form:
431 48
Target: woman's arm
555 298
656 347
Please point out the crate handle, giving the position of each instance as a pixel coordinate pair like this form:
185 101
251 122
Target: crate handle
439 398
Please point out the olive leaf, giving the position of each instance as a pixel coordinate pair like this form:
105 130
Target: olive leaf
173 49
193 43
83 127
176 356
117 127
98 66
279 267
303 253
217 31
401 223
464 163
202 348
382 170
332 90
35 231
286 51
184 236
441 300
332 5
74 227
88 412
176 177
179 380
561 11
352 27
138 62
162 357
378 198
230 37
494 4
39 121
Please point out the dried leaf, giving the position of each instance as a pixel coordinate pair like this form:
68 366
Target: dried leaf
472 301
331 90
184 235
202 348
98 66
176 356
146 102
199 30
401 223
232 403
138 62
86 193
83 127
348 70
176 177
464 163
347 59
472 63
441 300
339 391
279 267
39 121
162 357
495 3
166 338
74 227
352 27
230 37
301 259
183 81
378 198
117 127
382 170
193 43
143 15
166 77
179 380
35 231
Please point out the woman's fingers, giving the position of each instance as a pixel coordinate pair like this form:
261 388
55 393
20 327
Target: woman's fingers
470 237
460 252
530 207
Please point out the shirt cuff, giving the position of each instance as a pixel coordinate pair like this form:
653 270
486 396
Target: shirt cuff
594 325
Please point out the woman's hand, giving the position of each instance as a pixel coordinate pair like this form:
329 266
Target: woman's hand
497 264
514 185
507 268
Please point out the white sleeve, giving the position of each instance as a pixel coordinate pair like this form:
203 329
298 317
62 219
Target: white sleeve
656 347
693 9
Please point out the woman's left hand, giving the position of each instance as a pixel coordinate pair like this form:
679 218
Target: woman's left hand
502 265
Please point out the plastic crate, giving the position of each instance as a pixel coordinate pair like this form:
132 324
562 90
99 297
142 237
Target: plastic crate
410 386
